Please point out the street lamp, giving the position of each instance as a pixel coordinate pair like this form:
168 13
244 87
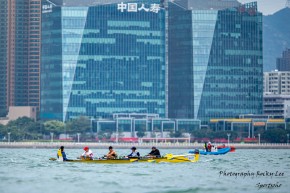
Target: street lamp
78 137
9 137
287 138
92 119
259 135
117 132
51 137
228 134
117 137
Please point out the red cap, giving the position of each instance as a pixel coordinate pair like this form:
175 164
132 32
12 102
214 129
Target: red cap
86 148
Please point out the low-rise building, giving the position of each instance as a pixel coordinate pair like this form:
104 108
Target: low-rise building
16 112
248 126
127 125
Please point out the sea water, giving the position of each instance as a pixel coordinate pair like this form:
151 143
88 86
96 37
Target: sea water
30 171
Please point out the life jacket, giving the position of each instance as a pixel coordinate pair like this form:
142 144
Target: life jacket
59 154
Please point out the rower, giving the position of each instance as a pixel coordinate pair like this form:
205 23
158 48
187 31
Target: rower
205 146
111 154
88 154
61 154
154 153
134 153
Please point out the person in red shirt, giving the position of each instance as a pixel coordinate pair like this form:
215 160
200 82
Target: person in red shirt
209 146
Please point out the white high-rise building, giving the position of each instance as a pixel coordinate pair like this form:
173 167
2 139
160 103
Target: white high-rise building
277 82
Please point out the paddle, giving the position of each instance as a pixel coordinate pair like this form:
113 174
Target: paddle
55 159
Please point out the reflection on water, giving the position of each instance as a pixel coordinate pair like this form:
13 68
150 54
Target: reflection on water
30 171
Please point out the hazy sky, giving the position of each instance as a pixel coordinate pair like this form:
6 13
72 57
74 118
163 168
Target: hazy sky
268 6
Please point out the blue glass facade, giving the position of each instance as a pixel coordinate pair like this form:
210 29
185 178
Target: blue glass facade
97 60
215 62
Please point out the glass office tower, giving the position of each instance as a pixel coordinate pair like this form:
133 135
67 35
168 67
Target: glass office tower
215 59
100 59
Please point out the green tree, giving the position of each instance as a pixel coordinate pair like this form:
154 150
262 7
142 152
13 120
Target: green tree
203 133
79 125
209 133
20 122
104 135
23 128
275 135
35 130
140 134
175 134
223 134
17 133
53 126
3 132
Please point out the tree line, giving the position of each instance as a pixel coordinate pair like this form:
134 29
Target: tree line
24 129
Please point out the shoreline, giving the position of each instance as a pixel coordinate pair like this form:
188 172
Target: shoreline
73 145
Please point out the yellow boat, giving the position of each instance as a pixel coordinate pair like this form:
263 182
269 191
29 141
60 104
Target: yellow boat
168 158
171 158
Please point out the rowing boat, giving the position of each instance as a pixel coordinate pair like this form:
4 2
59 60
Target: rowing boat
168 158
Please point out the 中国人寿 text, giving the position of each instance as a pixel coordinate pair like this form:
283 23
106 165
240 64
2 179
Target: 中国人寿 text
133 7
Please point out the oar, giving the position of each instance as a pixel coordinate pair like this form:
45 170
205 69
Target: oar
133 160
182 155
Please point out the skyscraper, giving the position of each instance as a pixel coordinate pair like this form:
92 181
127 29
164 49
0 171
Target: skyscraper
283 63
20 53
102 57
215 59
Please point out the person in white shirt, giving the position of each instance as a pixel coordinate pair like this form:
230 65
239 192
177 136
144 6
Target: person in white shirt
88 154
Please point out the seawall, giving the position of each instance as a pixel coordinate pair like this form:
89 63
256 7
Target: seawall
72 145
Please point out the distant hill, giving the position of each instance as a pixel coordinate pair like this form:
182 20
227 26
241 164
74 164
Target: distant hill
276 37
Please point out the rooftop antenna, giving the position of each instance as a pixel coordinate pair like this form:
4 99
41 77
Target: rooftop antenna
287 3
